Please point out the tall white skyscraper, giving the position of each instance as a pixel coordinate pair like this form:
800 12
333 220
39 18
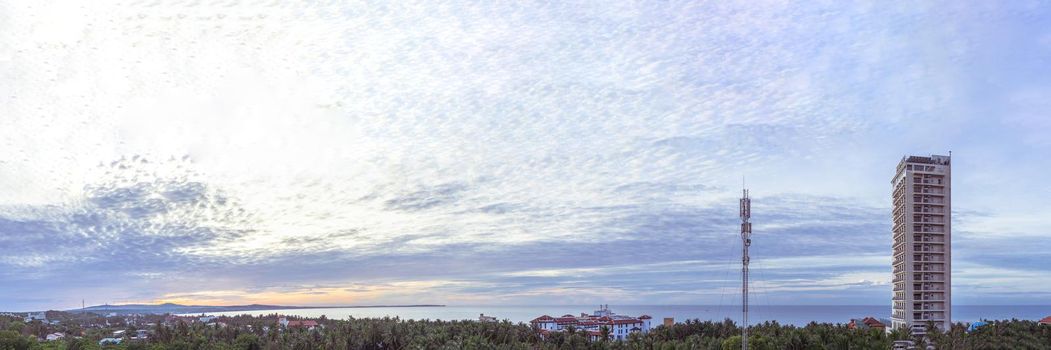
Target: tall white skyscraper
922 231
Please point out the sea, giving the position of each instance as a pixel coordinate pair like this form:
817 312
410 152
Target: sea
798 315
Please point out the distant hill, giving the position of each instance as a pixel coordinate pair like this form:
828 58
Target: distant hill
169 308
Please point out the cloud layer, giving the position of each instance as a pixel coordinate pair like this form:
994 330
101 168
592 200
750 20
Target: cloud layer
508 153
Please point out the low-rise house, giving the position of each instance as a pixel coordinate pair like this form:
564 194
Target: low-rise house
55 336
141 334
308 324
484 318
1046 320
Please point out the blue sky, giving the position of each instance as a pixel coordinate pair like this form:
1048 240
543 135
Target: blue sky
511 152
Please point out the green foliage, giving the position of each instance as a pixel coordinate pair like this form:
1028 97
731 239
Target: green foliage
263 333
16 326
247 341
756 343
12 340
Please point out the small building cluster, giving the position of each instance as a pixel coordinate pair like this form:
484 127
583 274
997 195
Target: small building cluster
867 323
29 317
36 316
617 327
118 337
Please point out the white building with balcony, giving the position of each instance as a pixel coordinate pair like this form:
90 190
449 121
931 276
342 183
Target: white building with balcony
922 261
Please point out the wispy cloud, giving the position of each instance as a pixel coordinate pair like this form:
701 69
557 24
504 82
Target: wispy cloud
503 152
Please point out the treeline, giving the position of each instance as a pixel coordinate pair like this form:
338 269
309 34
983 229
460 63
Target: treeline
250 333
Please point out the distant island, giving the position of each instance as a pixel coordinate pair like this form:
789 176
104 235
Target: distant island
170 308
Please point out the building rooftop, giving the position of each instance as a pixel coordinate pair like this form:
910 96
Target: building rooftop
606 318
544 318
304 323
933 159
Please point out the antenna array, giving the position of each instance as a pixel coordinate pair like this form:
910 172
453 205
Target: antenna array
746 240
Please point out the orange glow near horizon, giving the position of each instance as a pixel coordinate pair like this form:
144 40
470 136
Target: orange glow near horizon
390 293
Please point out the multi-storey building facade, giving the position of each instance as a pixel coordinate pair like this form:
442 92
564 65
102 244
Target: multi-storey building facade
922 262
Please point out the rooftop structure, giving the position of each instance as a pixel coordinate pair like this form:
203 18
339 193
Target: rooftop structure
922 243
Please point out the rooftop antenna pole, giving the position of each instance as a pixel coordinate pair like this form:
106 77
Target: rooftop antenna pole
746 239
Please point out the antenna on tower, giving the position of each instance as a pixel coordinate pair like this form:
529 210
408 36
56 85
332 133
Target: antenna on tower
746 240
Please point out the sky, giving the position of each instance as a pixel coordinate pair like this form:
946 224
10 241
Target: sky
518 152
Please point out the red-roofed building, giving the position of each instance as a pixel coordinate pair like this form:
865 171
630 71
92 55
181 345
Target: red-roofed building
308 324
874 323
565 321
544 318
1046 320
619 326
866 323
545 323
305 323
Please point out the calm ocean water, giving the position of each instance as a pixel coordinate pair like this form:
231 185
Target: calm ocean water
785 314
